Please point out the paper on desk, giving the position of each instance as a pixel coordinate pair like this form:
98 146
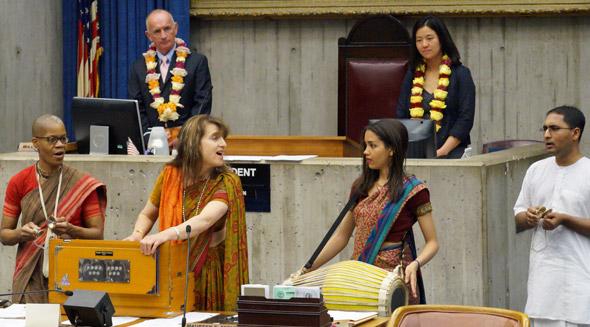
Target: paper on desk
12 322
246 158
117 321
176 321
282 157
13 311
292 158
350 318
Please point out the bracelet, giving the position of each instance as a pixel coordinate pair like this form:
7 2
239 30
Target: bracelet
418 262
138 231
177 233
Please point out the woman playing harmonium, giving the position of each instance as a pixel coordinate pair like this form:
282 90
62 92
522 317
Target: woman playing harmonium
386 196
196 188
438 87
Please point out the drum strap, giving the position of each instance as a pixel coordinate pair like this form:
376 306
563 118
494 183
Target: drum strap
335 225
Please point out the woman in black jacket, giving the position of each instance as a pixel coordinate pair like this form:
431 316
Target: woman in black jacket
438 87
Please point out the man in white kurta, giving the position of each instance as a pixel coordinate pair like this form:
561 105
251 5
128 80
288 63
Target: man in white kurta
559 266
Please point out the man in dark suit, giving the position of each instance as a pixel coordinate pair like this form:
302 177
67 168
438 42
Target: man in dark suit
190 95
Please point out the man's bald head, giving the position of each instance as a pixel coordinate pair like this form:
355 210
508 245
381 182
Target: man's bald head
154 13
44 122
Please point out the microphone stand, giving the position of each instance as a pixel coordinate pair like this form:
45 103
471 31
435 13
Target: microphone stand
188 251
67 293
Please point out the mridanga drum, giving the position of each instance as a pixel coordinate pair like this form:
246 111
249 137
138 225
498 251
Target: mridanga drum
358 286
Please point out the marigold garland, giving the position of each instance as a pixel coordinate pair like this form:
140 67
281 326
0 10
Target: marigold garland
167 111
437 105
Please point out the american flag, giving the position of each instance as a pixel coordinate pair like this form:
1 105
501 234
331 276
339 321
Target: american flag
89 48
131 148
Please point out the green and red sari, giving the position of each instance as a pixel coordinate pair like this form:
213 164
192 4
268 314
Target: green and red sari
220 269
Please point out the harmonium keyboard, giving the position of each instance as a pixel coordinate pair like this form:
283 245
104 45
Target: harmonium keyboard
138 285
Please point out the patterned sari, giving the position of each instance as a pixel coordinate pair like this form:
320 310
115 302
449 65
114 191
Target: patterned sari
374 217
220 270
76 187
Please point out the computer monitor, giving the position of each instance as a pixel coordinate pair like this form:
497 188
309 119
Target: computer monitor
121 116
421 137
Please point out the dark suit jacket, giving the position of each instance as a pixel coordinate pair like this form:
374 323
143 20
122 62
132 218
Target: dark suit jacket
458 116
195 96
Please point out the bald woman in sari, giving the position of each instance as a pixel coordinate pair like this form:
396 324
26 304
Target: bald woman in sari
198 189
52 200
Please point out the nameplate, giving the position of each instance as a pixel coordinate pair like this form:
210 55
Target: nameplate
255 180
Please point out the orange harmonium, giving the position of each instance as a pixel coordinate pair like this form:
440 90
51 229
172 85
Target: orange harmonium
138 285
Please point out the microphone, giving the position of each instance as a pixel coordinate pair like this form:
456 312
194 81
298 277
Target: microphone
188 252
67 293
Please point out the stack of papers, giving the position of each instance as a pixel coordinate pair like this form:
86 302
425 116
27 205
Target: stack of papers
176 321
350 318
15 311
12 322
13 316
117 321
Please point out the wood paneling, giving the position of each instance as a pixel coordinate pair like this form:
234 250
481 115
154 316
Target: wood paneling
322 146
298 8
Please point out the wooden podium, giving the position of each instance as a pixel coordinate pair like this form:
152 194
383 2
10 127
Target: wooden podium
138 285
322 146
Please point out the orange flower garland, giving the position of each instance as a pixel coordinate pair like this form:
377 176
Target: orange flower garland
167 111
437 105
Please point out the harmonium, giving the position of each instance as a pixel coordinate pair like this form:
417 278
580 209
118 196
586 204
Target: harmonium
138 285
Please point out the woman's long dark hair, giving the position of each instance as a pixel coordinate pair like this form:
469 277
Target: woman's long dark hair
446 41
394 136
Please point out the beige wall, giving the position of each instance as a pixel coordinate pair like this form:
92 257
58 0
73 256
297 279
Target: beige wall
30 66
279 77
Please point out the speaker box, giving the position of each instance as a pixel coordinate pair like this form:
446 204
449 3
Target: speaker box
90 308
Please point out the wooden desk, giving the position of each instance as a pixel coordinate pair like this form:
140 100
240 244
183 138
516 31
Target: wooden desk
376 322
322 146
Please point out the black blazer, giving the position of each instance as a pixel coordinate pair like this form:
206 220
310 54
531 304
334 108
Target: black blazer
459 113
195 96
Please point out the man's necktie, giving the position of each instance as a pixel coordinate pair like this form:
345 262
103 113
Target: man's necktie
164 68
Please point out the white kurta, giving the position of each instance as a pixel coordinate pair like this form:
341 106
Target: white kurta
559 265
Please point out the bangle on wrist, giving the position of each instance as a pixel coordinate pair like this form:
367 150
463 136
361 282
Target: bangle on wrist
419 263
138 232
177 233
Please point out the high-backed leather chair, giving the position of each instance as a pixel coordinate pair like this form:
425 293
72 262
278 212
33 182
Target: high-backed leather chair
372 61
456 315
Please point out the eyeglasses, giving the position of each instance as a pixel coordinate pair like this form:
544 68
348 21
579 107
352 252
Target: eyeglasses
53 139
552 128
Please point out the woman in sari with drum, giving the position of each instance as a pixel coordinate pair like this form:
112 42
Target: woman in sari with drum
196 188
388 203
